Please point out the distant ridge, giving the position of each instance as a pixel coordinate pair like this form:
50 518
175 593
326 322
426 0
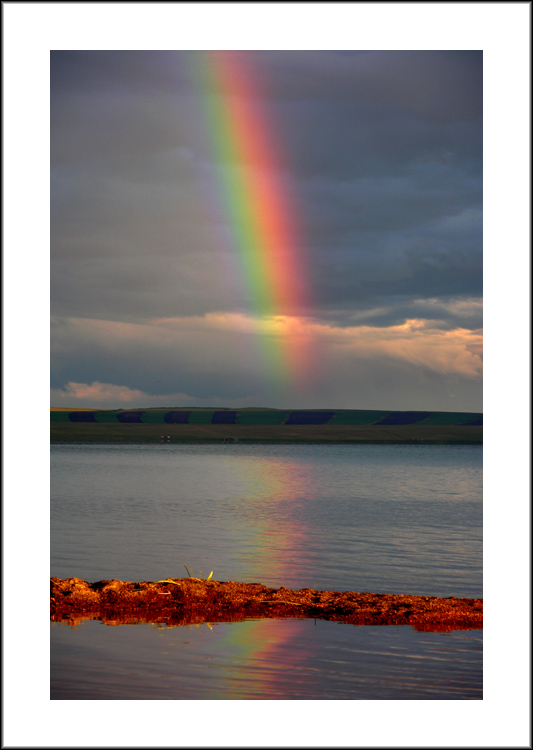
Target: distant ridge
265 416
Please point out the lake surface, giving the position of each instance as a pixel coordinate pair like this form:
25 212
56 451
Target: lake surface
403 519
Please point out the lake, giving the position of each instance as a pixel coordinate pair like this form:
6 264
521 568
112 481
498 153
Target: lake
400 519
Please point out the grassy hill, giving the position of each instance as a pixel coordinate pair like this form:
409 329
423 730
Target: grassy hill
259 424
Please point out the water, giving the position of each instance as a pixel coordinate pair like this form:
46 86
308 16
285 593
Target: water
387 519
264 660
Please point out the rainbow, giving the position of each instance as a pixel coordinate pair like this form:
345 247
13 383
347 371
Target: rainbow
257 205
269 492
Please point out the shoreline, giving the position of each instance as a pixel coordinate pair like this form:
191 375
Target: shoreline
183 601
254 434
260 441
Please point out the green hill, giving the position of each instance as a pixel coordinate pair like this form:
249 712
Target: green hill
260 424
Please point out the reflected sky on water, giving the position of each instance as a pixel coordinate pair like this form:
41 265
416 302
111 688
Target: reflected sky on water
384 519
389 519
264 660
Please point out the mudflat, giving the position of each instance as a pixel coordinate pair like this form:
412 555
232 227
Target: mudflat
181 601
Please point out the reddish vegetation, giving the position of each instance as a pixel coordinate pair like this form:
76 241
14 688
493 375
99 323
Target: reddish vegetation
190 600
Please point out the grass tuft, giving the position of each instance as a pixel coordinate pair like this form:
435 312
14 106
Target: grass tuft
189 571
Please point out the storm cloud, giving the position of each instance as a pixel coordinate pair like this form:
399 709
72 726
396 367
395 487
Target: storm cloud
381 155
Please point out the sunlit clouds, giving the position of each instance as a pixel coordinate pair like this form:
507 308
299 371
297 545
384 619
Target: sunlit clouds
221 350
97 393
106 395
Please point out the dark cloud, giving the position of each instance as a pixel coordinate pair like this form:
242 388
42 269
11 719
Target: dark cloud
381 153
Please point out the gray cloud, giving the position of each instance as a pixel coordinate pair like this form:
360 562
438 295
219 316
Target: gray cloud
380 151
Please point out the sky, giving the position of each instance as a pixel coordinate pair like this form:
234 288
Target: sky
267 228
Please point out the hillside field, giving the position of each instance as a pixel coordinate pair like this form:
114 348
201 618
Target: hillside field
263 425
